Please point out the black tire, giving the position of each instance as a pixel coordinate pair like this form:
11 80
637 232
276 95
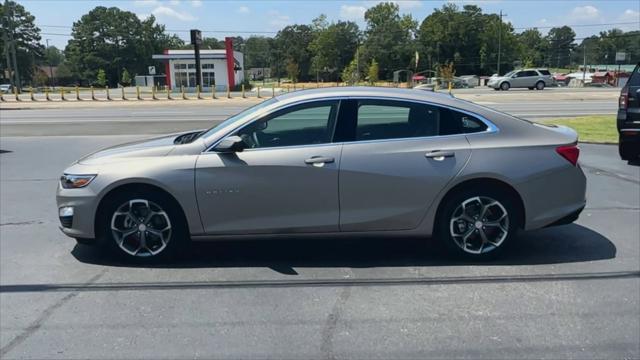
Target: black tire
177 236
540 85
453 201
505 86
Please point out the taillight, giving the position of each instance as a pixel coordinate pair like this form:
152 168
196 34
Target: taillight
569 152
623 101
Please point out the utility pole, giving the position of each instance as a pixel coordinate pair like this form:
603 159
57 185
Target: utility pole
51 79
357 63
584 61
500 39
6 22
17 84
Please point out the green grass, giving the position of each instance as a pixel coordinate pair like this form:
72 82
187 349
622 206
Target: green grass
594 128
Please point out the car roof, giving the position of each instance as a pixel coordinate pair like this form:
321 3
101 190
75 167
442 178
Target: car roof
373 92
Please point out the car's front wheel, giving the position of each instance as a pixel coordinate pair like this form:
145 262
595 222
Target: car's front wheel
478 224
504 86
142 227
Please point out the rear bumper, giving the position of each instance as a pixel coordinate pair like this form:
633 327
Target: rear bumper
554 198
569 218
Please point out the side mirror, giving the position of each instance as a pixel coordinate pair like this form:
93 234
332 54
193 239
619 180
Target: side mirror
230 144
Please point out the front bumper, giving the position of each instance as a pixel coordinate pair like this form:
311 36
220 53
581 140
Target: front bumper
83 202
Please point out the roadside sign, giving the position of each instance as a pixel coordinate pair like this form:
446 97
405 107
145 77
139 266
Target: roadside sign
152 70
621 56
196 37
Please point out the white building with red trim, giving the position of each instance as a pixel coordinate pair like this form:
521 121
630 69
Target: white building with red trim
220 68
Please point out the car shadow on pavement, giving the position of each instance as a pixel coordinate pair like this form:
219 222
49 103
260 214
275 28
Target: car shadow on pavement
561 244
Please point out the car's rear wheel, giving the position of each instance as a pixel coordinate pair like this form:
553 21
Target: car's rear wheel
478 224
540 85
143 227
504 86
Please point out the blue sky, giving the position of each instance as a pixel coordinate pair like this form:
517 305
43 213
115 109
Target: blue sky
263 17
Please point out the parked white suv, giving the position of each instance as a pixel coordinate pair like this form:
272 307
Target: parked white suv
525 78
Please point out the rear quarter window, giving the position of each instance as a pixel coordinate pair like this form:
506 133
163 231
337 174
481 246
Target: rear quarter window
634 80
544 72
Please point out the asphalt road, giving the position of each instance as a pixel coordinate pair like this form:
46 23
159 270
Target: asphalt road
565 292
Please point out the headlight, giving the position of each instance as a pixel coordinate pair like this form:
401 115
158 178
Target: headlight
69 181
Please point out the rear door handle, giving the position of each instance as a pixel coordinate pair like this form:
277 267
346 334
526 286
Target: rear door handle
319 160
439 155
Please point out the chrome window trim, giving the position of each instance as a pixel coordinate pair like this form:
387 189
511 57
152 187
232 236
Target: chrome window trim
491 127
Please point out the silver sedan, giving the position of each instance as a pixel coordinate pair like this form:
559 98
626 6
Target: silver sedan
330 162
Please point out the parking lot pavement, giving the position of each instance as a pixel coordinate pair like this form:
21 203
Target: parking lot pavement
565 292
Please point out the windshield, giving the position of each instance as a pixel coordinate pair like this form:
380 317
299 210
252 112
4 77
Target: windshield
238 116
510 73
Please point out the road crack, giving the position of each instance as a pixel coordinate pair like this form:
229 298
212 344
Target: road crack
329 329
44 316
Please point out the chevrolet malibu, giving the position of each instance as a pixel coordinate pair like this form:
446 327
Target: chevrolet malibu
330 162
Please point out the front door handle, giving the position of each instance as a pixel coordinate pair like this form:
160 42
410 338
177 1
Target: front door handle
319 161
439 155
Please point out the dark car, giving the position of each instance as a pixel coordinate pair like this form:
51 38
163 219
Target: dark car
629 118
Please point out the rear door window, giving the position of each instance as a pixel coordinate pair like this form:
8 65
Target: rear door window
379 119
389 119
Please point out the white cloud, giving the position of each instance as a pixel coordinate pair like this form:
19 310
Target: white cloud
244 9
143 3
165 11
143 17
196 3
352 12
278 20
174 2
586 12
630 15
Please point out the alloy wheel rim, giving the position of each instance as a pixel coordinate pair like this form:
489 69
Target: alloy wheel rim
479 225
141 228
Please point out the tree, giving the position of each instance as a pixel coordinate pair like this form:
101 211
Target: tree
389 38
101 80
18 24
333 47
257 51
292 44
532 48
126 78
467 37
293 71
53 56
373 72
351 74
447 71
561 44
113 39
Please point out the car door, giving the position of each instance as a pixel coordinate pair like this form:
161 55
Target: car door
518 79
400 156
286 180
